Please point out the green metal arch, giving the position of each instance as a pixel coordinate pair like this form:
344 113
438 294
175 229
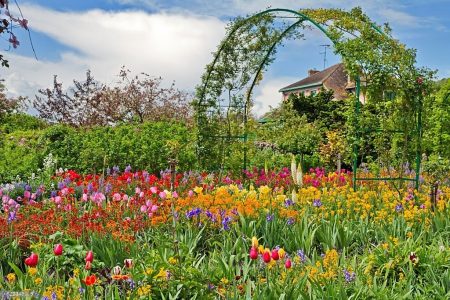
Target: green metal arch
302 17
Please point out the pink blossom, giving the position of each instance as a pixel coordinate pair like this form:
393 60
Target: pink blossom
175 194
154 208
154 189
138 190
13 40
84 197
190 193
143 208
23 23
64 191
27 194
116 197
125 197
162 195
58 200
141 195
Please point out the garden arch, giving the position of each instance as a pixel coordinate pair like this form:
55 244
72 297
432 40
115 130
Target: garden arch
248 49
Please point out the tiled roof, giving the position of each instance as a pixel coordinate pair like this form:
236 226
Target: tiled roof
333 79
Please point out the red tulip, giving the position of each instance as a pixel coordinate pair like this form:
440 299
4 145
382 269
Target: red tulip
90 280
266 257
275 254
58 250
32 260
89 256
128 263
88 265
253 253
288 264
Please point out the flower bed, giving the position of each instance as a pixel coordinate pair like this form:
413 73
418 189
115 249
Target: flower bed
134 234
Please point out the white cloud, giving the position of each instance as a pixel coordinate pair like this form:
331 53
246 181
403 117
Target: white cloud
174 46
267 95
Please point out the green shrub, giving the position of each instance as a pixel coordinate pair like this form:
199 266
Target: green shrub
146 146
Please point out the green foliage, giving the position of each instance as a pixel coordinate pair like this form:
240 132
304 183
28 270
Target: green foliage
20 122
320 107
146 146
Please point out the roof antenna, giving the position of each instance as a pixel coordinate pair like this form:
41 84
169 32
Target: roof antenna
325 47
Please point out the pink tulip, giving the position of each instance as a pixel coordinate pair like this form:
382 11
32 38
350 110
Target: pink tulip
154 189
288 264
58 250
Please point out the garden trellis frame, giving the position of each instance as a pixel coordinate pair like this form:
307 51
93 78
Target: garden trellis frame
203 108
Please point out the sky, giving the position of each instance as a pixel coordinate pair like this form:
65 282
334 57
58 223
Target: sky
175 39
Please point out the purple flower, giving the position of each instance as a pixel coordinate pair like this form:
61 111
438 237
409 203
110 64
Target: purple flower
211 216
302 255
422 206
317 203
128 169
132 283
399 207
288 202
269 217
60 185
116 169
90 187
108 188
290 221
194 212
225 223
53 194
349 276
12 216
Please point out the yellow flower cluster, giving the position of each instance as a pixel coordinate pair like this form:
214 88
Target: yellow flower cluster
144 290
54 291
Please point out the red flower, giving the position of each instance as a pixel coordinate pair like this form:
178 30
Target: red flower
89 256
90 280
58 250
288 264
32 260
413 258
128 263
275 254
88 265
266 257
253 253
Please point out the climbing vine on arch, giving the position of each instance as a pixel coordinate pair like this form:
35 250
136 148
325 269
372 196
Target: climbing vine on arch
372 57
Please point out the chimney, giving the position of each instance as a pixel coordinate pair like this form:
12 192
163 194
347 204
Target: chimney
312 72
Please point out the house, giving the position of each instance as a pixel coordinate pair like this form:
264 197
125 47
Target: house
332 78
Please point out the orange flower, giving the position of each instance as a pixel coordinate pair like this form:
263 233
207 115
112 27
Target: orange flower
120 277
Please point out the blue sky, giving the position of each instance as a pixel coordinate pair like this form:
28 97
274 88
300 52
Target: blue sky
175 38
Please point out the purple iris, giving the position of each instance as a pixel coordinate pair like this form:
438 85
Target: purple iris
349 276
317 203
194 212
